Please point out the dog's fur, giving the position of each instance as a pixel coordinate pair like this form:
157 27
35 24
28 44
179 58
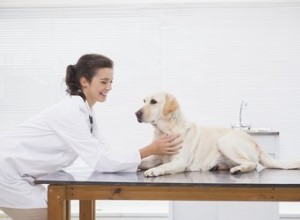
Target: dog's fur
203 148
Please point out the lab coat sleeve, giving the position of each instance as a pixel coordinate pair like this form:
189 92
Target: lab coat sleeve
72 127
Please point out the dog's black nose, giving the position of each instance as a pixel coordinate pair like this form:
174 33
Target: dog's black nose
139 115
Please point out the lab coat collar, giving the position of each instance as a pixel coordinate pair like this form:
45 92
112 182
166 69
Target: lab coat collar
84 104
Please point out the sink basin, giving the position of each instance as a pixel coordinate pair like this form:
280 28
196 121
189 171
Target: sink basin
240 127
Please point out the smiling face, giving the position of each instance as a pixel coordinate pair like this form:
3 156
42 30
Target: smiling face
98 88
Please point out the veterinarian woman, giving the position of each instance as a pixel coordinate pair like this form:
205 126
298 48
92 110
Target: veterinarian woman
53 139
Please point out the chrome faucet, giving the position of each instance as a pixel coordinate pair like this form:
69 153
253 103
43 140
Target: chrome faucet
243 104
240 124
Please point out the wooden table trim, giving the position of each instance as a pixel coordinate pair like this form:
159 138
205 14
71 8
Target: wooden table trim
59 196
87 209
58 205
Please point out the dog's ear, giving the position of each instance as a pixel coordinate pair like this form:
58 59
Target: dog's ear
171 104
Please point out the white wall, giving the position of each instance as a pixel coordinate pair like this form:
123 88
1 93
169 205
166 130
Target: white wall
133 3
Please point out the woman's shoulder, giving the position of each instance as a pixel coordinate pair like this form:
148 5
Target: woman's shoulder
68 105
71 101
67 113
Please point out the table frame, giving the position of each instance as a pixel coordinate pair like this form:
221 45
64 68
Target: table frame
60 195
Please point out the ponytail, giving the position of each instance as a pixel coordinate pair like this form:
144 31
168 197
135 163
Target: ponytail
72 82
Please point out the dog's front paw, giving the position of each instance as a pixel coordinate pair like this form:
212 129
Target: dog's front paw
153 172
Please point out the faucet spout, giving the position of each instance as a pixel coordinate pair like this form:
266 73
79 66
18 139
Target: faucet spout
242 105
240 124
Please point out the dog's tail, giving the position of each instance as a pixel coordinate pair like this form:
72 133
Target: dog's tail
268 162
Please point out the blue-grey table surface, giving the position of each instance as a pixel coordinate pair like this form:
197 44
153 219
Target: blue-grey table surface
263 177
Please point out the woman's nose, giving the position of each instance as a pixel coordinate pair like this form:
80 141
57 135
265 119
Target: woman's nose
109 86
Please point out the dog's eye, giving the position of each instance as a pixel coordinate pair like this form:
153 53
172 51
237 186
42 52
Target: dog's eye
153 101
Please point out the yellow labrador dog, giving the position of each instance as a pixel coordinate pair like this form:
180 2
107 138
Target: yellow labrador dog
204 148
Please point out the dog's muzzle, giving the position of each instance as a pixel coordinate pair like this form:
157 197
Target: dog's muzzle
139 115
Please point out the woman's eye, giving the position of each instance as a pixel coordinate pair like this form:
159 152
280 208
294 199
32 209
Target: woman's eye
153 101
105 82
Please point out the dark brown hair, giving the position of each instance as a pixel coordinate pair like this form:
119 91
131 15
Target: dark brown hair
86 67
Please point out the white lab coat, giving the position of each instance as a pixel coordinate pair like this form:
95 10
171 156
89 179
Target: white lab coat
49 142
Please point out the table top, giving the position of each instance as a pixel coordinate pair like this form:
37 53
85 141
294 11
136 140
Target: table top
257 178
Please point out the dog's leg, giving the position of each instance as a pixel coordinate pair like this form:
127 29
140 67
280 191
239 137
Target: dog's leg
239 152
151 161
177 165
245 166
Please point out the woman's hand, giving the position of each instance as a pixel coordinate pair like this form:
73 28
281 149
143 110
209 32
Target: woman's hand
165 145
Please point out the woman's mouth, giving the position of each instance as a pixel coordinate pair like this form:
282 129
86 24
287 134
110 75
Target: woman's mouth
103 94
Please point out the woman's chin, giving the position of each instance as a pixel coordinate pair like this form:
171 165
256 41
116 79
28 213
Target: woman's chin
102 99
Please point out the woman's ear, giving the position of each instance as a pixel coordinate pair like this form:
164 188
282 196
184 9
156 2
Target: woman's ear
83 82
171 104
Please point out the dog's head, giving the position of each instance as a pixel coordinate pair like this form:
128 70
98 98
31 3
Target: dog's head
158 106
